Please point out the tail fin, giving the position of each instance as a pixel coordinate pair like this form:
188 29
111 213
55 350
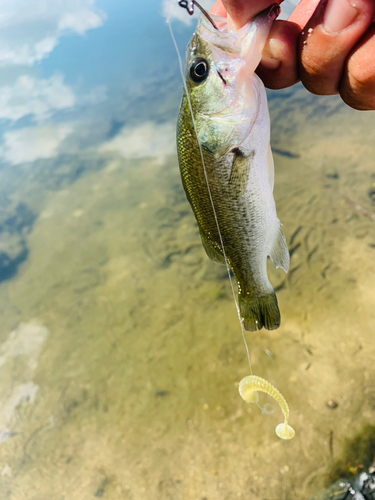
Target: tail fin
258 312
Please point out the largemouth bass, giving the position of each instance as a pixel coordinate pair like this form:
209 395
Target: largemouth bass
229 105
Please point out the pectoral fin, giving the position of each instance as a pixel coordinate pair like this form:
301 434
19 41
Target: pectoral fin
279 252
239 175
214 254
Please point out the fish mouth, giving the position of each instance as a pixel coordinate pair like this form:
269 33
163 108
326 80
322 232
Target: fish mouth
245 45
272 12
230 41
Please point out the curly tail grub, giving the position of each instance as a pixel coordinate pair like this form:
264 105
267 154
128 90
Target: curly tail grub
249 387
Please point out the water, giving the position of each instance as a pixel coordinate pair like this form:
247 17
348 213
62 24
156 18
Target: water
120 350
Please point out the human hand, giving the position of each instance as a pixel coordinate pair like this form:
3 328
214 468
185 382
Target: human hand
329 45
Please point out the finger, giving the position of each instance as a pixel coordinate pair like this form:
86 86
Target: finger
279 67
218 9
241 11
335 27
357 87
303 12
280 52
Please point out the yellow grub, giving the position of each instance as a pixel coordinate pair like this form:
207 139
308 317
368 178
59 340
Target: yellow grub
249 387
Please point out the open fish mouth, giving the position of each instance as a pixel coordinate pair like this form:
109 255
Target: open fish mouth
235 55
231 41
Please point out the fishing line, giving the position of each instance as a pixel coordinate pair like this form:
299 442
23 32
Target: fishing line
209 192
250 385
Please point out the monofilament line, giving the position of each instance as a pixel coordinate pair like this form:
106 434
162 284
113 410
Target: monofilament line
209 192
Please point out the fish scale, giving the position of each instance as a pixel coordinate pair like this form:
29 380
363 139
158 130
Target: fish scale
231 120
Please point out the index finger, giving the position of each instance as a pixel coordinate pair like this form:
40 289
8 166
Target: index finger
302 13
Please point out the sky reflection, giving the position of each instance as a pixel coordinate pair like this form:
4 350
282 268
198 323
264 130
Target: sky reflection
83 67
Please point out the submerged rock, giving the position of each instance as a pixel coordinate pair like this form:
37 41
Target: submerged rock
361 487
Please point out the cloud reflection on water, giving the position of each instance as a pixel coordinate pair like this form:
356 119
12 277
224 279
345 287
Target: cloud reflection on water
29 31
29 34
148 140
31 143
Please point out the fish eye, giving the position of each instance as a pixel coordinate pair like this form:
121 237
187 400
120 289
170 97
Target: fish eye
199 70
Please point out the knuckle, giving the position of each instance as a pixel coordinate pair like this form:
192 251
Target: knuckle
317 76
358 87
356 99
312 66
361 78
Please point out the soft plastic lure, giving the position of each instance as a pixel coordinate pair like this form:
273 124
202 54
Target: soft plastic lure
249 387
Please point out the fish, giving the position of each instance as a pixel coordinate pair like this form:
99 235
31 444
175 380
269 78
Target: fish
224 121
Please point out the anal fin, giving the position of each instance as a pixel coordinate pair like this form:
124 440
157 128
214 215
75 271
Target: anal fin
279 253
214 254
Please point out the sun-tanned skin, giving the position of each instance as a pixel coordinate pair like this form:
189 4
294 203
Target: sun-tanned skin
329 45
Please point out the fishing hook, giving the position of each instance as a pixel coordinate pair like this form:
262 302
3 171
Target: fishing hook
189 6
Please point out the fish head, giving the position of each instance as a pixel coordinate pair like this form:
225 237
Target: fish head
221 81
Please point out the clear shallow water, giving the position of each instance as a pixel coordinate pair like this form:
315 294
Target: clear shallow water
120 348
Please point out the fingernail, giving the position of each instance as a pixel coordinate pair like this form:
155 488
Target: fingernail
269 62
339 15
273 50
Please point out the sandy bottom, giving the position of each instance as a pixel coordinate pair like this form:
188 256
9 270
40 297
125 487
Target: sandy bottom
121 352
